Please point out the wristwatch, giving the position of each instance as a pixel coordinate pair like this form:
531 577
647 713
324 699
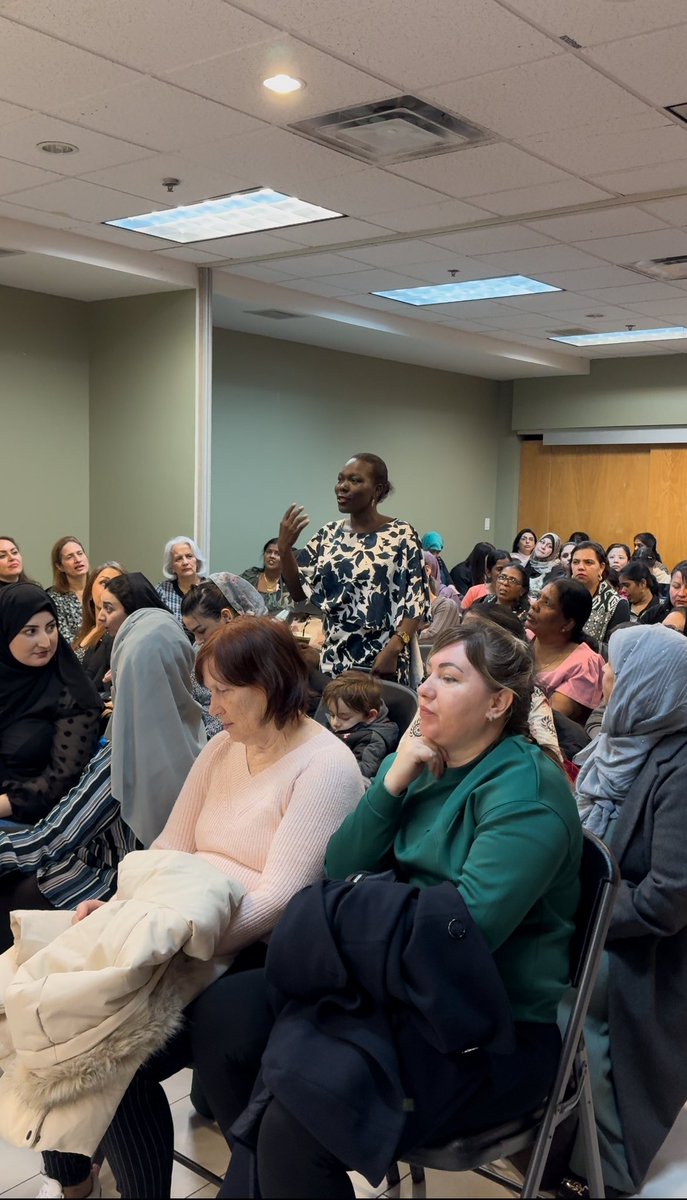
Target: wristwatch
405 637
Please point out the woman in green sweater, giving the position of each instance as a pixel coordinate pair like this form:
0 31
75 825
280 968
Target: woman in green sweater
467 799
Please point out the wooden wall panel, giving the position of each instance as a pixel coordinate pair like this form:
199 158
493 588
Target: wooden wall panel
601 489
667 509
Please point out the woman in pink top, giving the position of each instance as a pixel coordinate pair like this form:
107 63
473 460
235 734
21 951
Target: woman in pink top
569 670
495 561
260 803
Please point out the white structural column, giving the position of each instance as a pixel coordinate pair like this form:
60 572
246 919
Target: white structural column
201 514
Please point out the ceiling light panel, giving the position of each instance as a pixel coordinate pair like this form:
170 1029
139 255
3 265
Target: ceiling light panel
671 334
474 289
226 216
283 84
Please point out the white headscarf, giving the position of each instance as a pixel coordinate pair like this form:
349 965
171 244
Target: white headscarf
157 727
648 703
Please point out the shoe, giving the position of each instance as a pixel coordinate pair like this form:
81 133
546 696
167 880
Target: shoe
572 1188
51 1189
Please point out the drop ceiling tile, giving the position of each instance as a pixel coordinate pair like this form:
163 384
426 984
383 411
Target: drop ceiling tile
236 79
492 239
262 271
317 287
20 141
541 258
246 245
673 212
19 212
538 97
274 158
108 233
430 43
482 169
152 37
144 178
326 233
558 305
440 272
519 202
157 115
377 280
429 216
660 177
192 254
609 222
635 293
42 73
295 15
614 318
12 112
590 21
651 63
397 254
309 266
584 151
15 176
591 277
657 244
367 191
674 311
82 201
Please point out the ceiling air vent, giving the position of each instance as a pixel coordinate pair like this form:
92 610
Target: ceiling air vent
391 131
674 267
273 314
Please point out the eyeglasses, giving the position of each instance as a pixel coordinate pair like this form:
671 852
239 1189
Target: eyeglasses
509 579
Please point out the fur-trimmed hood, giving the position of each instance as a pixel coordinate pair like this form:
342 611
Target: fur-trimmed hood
85 1005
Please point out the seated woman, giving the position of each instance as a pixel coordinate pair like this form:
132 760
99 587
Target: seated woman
641 591
545 563
677 591
471 571
92 646
11 562
444 603
618 555
494 562
207 607
267 579
677 619
524 544
468 800
511 590
646 542
70 572
566 556
182 566
568 668
630 792
260 804
433 542
127 791
589 567
49 709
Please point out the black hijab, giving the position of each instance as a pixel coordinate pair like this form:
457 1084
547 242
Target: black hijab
134 590
24 690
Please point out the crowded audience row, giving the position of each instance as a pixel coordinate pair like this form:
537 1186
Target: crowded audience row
256 815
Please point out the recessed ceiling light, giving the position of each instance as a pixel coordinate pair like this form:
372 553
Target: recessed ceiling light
57 148
226 216
472 289
625 335
283 84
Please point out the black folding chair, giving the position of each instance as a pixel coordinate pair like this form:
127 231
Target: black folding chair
401 702
571 1089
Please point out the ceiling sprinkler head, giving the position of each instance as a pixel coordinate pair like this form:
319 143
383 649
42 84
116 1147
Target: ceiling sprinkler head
170 183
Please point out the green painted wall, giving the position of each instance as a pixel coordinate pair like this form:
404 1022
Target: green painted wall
617 392
44 464
142 425
287 416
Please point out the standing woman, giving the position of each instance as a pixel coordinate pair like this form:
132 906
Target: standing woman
267 579
70 572
49 709
589 567
11 562
365 572
524 544
182 566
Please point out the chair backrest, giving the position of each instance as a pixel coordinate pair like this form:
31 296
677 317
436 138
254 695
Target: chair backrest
599 879
401 702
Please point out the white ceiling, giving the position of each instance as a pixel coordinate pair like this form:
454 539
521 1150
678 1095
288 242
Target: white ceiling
585 173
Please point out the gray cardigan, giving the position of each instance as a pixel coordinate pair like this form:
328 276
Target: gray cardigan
647 945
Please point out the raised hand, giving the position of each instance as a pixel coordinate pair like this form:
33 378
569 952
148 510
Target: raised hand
292 525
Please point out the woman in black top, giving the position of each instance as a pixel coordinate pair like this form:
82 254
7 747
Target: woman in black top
641 590
49 709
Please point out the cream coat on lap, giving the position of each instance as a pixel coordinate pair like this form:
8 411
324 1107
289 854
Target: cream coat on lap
85 1005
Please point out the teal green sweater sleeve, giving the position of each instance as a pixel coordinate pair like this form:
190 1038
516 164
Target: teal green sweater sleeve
367 835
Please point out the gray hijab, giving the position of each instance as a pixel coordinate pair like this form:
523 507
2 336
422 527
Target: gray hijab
648 703
241 594
157 727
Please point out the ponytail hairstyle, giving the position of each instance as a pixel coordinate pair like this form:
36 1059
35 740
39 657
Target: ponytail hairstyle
503 660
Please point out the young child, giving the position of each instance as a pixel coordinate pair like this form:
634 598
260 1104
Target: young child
359 716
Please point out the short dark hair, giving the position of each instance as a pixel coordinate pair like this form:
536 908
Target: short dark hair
619 546
524 576
576 605
638 572
680 568
493 557
648 540
270 542
516 539
598 550
358 689
579 536
380 472
263 653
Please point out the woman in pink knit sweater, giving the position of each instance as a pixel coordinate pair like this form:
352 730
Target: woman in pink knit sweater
260 803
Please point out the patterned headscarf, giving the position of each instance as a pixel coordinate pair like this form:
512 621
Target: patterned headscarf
648 703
